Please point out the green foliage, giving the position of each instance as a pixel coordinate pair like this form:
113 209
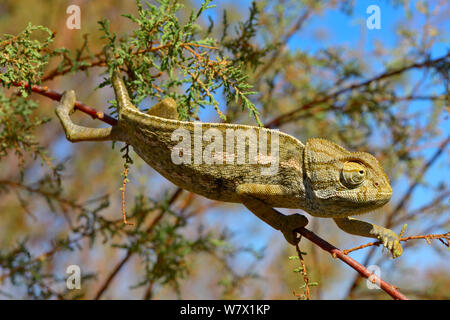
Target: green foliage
166 58
23 58
244 52
17 127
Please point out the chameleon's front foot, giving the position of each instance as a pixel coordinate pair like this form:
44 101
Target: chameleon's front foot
290 224
389 239
365 229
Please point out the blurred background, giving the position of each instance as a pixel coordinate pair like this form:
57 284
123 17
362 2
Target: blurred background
317 70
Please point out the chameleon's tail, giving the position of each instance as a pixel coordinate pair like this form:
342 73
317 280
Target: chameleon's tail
122 97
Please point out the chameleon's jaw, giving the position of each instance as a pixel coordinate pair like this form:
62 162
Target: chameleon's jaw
385 192
377 202
378 198
349 203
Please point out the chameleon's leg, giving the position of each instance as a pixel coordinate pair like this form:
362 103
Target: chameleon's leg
75 133
251 196
166 108
365 229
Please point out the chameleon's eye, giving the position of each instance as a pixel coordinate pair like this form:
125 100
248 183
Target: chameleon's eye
353 174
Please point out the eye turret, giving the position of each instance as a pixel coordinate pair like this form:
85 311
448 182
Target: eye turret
353 174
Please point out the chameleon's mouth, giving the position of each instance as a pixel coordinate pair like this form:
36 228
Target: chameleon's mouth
387 194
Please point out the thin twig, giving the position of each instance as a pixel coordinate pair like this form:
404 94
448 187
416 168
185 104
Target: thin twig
426 237
127 163
124 184
307 293
54 95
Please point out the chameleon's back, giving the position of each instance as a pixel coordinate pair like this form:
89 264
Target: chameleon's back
199 157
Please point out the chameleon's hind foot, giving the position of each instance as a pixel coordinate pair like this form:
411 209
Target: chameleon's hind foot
251 195
290 224
75 133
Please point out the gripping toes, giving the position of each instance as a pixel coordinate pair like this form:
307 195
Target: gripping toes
391 241
290 224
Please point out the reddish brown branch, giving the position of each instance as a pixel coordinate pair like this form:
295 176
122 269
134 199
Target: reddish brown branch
335 252
54 95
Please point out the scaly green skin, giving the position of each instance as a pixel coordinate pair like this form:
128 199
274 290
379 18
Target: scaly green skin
320 177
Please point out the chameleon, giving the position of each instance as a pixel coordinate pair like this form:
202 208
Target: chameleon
319 177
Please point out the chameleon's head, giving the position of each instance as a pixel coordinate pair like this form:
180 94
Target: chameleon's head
343 183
